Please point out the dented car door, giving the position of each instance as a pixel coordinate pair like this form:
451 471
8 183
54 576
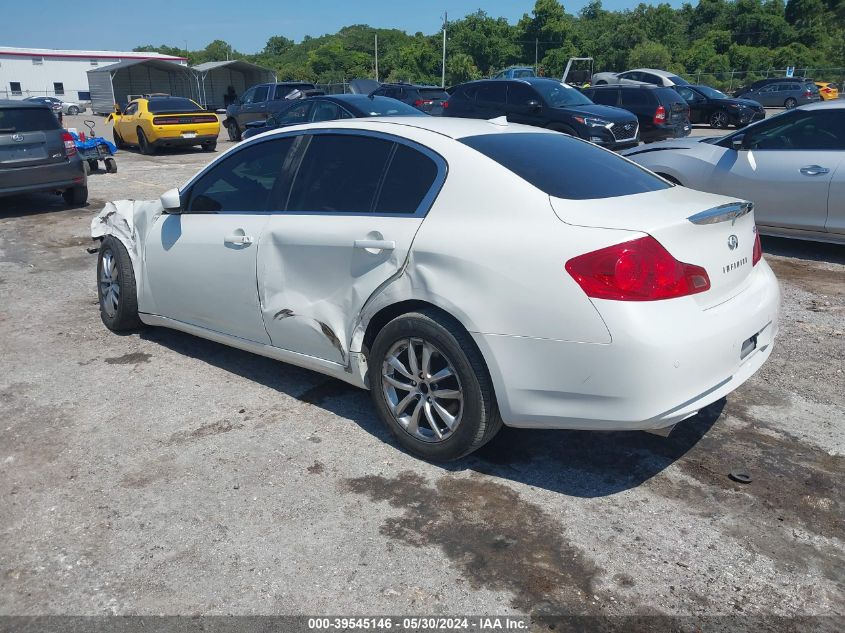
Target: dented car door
201 263
355 204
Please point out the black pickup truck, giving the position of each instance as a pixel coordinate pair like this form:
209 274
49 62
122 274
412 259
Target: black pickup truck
262 100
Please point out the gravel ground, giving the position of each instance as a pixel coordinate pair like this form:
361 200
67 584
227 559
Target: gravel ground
157 473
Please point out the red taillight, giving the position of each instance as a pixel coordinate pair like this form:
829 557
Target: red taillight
757 253
808 94
639 270
660 115
422 102
70 146
445 104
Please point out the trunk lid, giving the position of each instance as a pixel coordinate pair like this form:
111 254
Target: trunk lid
714 232
29 137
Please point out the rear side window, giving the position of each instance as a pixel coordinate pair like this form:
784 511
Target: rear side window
245 181
635 98
565 167
26 120
494 92
520 94
409 178
340 174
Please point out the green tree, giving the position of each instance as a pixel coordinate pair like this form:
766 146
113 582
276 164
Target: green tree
649 55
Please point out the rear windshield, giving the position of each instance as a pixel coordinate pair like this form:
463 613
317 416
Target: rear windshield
668 95
565 167
384 106
677 80
433 93
712 93
172 104
27 120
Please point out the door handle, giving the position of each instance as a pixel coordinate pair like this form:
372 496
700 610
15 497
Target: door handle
238 239
376 245
814 170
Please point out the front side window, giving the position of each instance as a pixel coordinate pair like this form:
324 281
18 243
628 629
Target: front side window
799 130
565 167
632 76
689 95
246 181
559 95
247 96
260 95
325 111
520 94
132 108
294 115
340 174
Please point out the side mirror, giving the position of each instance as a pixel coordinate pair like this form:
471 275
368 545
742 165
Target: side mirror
117 109
171 201
738 142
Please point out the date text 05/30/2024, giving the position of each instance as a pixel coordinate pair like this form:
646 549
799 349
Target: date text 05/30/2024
423 623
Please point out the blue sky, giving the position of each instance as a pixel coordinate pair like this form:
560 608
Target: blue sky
246 24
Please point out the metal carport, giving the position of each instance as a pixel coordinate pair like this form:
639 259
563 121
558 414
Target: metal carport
216 77
123 81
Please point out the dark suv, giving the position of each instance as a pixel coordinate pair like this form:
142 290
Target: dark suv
545 103
661 111
36 154
259 102
429 99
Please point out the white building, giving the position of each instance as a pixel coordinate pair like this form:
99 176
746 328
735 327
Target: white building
30 72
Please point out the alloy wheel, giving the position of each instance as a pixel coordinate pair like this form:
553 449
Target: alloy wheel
422 390
109 284
719 120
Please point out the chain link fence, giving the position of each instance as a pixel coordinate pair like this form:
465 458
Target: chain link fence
731 80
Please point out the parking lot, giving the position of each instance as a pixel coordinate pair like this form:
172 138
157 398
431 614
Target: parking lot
158 473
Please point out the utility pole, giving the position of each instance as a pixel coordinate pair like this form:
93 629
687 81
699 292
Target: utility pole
376 47
443 75
536 53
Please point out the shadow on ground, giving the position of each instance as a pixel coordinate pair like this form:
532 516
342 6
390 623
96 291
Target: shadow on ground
578 463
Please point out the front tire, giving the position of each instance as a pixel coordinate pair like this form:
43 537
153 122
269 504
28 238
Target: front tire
73 110
116 287
719 120
233 130
431 387
790 103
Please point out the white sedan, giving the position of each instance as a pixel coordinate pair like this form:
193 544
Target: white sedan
469 273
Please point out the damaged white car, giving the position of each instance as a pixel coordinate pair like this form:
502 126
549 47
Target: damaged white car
469 273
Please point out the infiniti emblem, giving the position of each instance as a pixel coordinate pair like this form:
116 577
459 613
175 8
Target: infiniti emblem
733 242
17 137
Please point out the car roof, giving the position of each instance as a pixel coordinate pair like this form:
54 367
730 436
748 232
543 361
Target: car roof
13 103
653 71
404 85
639 86
837 104
452 127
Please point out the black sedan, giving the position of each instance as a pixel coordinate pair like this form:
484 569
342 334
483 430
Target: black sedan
708 105
329 108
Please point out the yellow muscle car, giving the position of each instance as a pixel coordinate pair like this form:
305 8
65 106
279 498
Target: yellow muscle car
828 90
164 121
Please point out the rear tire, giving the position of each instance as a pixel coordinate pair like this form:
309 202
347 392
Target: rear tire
790 103
144 145
465 391
234 130
75 197
209 146
73 110
116 287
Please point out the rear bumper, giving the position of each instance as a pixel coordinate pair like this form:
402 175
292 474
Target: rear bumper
665 132
173 135
667 360
54 177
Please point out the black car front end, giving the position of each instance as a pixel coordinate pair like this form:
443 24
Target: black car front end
745 112
610 127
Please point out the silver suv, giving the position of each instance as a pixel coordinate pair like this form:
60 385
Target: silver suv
36 154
